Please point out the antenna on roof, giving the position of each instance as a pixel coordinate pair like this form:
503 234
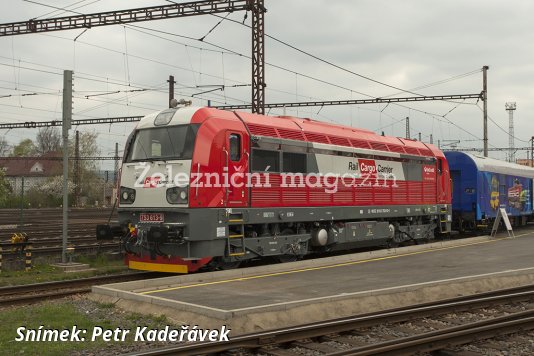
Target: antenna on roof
174 103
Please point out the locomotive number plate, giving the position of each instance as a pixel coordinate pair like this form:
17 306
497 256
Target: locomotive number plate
151 217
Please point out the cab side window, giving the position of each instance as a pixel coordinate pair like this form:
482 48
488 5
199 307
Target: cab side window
235 147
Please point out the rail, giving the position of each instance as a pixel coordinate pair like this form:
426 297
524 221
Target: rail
31 293
422 342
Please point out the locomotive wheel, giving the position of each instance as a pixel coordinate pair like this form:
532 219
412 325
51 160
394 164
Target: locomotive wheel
229 265
391 243
287 258
221 264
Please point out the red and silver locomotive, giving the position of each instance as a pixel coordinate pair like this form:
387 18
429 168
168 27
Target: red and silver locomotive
202 187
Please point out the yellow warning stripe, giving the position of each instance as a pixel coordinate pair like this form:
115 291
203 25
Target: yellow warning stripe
158 267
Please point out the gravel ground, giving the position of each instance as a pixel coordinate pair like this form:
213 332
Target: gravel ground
506 345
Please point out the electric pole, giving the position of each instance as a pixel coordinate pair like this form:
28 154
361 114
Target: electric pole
67 118
171 88
510 107
77 170
116 171
258 56
407 127
485 99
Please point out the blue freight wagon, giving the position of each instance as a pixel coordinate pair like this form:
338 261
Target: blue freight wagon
482 185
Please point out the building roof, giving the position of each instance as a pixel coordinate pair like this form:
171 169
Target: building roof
43 166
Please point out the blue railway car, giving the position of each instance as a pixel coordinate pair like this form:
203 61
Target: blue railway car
481 185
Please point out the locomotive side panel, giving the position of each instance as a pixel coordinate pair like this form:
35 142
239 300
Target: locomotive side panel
328 175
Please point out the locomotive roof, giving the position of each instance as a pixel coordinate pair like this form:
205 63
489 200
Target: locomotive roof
303 129
487 164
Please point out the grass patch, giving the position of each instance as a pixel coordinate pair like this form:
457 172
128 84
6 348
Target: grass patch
51 317
47 273
84 314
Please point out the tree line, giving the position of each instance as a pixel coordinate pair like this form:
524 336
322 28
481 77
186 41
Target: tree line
88 186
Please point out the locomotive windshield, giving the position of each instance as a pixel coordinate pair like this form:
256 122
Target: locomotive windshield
163 143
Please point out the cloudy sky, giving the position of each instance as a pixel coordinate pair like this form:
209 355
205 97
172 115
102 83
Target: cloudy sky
428 47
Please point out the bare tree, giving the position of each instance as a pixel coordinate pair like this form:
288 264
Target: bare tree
48 140
86 177
4 147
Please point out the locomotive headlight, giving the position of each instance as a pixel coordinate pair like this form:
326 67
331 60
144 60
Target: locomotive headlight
127 195
173 195
177 195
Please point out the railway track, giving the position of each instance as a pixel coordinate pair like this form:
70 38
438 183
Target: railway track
403 331
40 223
55 250
32 293
54 241
44 229
38 232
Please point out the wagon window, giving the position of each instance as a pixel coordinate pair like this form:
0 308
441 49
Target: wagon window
265 161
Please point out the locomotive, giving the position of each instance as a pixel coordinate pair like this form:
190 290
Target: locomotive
206 188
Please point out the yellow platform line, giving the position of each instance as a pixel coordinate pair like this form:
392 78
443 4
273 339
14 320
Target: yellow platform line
326 267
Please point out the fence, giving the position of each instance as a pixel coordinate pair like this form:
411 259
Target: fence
95 188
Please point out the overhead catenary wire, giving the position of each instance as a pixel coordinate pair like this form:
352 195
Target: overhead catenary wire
63 10
276 39
401 105
119 82
356 73
191 38
232 51
501 128
410 91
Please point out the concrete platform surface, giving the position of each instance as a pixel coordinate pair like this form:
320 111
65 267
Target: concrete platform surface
265 297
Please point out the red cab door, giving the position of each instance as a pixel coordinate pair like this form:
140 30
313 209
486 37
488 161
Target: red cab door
235 169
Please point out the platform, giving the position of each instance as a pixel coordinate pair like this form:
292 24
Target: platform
260 298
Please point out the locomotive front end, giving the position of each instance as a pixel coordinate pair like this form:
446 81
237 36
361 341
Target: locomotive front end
154 219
